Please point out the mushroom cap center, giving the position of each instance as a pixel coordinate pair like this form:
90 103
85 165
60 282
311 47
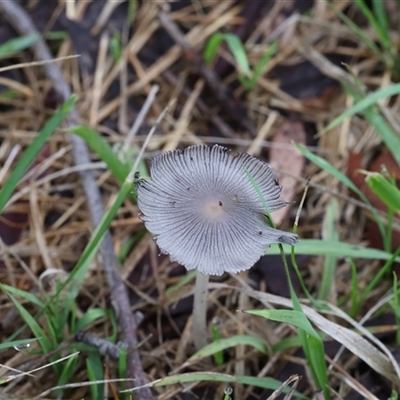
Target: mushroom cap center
214 209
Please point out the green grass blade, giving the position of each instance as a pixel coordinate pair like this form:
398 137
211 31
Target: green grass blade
14 46
22 293
382 272
313 346
212 46
239 53
292 317
122 366
90 316
94 368
382 20
361 105
132 10
190 275
80 269
265 383
382 34
97 143
226 343
316 357
360 33
39 333
17 343
384 189
355 304
316 247
236 47
216 335
326 166
259 68
373 116
33 150
116 46
332 235
66 372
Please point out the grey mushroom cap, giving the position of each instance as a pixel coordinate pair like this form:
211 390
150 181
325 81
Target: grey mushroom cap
206 207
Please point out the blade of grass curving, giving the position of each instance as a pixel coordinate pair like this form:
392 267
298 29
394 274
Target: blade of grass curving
326 166
259 68
382 127
89 317
382 33
382 20
360 33
97 143
212 46
385 189
14 46
317 247
265 383
17 343
292 317
22 293
33 150
226 343
362 104
239 53
39 333
236 47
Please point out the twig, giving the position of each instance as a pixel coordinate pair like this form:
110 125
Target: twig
104 347
142 114
119 296
36 63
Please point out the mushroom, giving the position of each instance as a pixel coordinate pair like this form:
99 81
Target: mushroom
207 208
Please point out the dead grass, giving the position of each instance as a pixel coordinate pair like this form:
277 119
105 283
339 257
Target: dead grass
56 223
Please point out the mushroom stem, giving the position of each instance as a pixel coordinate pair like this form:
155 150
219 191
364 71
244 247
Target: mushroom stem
200 311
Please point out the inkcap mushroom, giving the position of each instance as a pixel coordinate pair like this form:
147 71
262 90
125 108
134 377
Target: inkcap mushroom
207 209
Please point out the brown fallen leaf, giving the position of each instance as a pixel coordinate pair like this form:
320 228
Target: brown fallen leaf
287 161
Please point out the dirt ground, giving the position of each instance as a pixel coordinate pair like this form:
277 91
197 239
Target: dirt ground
139 54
